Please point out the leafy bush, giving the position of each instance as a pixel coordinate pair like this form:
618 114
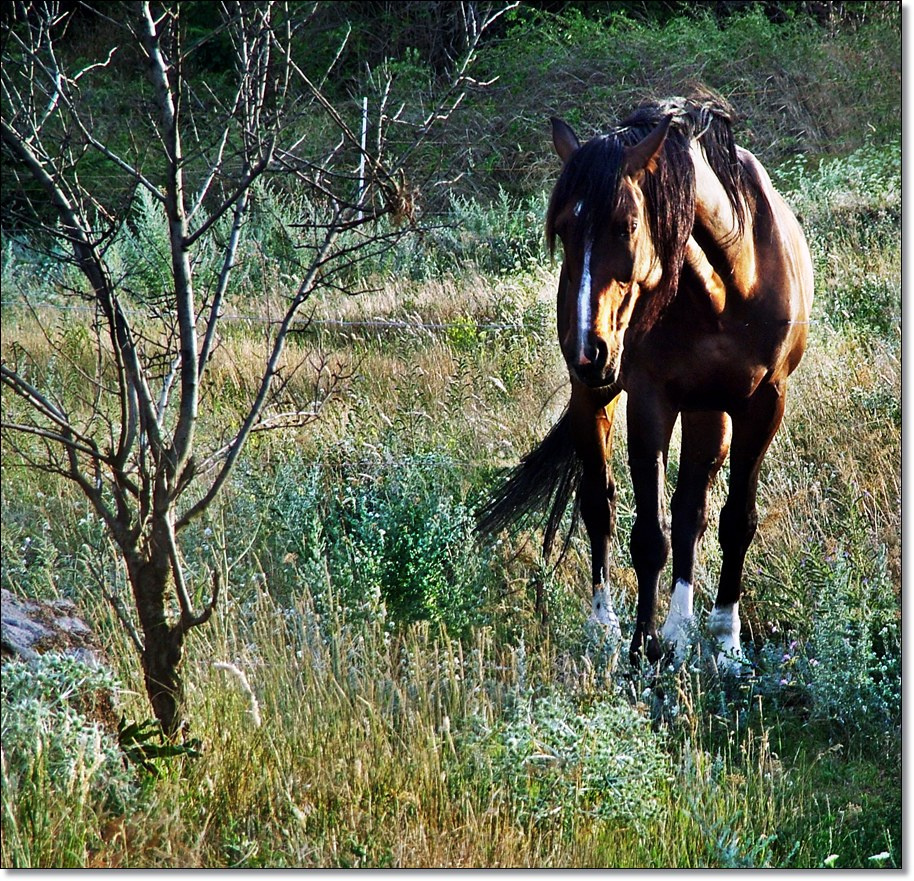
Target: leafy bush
563 762
856 643
851 212
466 238
368 540
63 772
796 86
847 671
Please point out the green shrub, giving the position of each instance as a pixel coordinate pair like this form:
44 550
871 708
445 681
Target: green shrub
564 762
367 541
63 773
795 86
851 213
468 237
846 671
854 653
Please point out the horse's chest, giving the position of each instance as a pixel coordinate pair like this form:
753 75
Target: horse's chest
715 372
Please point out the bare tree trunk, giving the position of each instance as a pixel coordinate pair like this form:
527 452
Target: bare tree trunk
162 642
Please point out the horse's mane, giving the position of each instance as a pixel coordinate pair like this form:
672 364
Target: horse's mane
592 174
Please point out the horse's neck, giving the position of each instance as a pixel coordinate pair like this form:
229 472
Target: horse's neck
716 220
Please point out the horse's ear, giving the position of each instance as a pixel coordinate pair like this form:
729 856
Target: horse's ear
642 157
564 139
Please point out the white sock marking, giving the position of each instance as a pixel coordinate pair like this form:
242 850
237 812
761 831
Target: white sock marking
723 624
603 612
677 629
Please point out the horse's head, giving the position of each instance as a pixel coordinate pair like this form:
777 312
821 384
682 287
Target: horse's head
599 212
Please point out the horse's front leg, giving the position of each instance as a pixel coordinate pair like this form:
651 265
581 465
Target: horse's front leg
753 431
705 441
650 424
592 421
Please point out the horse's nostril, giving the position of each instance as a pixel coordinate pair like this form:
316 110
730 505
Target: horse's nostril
588 355
592 358
593 353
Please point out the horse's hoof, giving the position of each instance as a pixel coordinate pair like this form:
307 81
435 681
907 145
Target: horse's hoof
605 632
678 639
604 640
724 626
603 616
732 663
645 647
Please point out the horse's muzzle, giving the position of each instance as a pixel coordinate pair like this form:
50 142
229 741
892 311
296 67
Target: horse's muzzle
595 376
594 365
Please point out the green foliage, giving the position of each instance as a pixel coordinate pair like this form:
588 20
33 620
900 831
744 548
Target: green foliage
30 561
564 762
795 86
143 744
469 237
856 643
871 304
371 540
846 672
851 213
27 270
58 761
141 253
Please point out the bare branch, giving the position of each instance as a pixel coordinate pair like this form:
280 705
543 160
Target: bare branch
58 437
117 605
241 190
206 614
228 263
252 418
177 227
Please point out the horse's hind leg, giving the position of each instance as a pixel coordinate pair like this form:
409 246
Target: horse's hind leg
753 431
705 441
592 426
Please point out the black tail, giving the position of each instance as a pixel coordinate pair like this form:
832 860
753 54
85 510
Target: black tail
547 476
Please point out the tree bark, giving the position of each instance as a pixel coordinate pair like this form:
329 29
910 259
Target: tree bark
150 574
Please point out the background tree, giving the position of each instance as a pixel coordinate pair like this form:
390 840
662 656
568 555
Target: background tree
230 104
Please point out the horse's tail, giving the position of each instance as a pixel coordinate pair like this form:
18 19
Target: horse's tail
546 477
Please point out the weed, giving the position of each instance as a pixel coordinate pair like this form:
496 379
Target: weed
63 772
563 762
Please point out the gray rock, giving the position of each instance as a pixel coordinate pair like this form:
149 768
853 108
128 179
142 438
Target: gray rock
29 628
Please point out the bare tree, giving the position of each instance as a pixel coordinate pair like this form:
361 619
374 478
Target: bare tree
129 438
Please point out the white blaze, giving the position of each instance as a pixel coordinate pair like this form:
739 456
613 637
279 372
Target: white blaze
584 300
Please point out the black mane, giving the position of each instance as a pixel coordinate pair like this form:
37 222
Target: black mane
592 176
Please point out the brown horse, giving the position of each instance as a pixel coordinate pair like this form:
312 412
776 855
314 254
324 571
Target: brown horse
686 282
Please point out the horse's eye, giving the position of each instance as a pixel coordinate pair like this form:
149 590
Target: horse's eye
625 230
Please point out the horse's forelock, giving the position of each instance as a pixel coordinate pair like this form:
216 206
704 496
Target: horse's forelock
590 178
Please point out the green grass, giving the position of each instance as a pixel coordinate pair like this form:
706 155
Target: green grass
403 701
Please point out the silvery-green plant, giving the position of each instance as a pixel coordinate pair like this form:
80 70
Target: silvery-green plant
51 744
567 761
